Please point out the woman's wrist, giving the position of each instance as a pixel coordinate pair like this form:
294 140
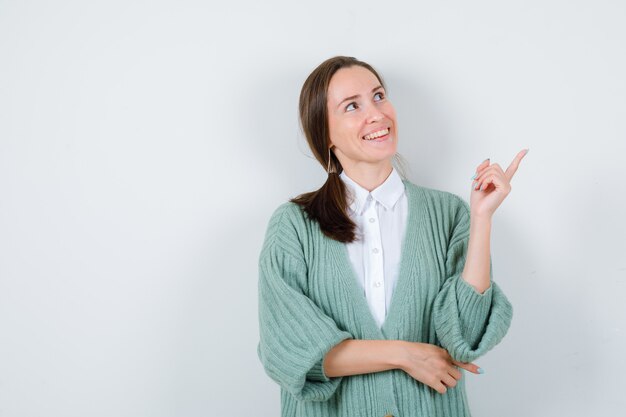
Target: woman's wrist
398 356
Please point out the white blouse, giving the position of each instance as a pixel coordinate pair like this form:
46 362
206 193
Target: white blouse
380 216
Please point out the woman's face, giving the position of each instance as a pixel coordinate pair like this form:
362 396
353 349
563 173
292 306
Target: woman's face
362 122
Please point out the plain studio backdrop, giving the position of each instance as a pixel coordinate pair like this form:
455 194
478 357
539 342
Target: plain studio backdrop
144 145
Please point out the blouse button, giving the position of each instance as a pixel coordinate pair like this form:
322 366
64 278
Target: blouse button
372 220
375 250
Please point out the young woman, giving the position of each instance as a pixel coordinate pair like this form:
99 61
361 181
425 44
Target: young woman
375 294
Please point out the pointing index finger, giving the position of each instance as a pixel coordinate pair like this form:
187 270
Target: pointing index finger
510 171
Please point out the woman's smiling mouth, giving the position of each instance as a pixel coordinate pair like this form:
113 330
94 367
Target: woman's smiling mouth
379 134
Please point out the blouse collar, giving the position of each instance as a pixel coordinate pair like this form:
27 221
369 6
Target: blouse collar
388 193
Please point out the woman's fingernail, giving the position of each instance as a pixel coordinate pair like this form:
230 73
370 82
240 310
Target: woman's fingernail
481 370
475 175
485 160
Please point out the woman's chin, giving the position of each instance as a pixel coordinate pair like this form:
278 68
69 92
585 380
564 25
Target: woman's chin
382 156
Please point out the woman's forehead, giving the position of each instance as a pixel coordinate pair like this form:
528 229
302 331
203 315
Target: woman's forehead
351 81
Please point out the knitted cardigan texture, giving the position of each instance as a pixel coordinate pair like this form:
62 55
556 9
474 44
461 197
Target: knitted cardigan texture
310 300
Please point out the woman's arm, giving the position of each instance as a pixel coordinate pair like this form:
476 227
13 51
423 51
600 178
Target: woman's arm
490 188
424 362
354 357
294 333
476 269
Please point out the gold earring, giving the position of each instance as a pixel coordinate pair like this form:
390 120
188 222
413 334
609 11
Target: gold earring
328 168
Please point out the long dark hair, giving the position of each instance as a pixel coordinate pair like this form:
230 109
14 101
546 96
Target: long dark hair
328 205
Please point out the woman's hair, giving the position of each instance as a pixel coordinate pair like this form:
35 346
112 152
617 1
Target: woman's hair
328 205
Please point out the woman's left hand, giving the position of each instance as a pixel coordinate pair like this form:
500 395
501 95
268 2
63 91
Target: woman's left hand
491 186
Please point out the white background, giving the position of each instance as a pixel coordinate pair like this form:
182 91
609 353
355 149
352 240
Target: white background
144 145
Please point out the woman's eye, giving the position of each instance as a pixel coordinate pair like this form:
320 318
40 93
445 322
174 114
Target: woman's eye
381 95
353 105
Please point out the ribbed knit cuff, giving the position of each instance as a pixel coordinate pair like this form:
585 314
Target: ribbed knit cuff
473 310
468 323
316 373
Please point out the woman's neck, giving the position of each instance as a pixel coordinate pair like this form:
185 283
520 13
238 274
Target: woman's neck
368 176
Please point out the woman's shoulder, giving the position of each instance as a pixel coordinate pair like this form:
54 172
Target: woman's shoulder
288 212
288 219
287 230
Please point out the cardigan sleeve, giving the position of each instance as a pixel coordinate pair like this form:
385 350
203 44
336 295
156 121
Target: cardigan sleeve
468 323
295 334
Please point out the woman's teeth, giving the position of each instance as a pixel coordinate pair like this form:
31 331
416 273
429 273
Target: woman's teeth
376 134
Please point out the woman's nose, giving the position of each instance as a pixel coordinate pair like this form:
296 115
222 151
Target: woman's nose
375 115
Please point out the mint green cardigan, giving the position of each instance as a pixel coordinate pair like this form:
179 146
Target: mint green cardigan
310 300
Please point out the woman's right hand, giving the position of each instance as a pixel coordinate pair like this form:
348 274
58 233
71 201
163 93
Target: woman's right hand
433 365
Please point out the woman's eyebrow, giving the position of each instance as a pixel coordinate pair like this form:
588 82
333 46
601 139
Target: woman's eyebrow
358 95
